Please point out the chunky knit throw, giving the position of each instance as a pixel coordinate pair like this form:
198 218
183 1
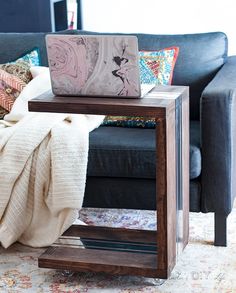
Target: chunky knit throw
43 162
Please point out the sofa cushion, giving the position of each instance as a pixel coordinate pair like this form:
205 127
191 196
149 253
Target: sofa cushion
130 121
14 76
157 67
14 45
200 57
10 88
130 152
130 193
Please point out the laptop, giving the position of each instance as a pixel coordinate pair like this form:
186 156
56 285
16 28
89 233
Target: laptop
94 65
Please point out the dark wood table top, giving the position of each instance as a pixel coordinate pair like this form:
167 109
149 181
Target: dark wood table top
158 102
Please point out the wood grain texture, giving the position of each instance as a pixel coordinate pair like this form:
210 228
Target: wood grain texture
157 103
166 192
92 260
161 193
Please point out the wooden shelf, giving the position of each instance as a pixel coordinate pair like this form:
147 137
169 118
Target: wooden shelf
90 250
93 260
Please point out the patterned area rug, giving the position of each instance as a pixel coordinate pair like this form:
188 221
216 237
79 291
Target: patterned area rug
201 268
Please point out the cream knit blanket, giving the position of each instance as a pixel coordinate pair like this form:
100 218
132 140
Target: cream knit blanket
43 162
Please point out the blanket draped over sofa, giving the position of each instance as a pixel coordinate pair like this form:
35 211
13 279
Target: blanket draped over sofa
43 161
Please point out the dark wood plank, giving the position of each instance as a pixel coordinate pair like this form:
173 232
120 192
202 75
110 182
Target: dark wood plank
154 104
109 233
166 192
161 193
93 260
86 106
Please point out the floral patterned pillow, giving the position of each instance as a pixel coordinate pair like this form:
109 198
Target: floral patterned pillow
13 78
156 67
129 121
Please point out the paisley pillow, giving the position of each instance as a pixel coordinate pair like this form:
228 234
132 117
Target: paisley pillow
14 76
129 121
156 67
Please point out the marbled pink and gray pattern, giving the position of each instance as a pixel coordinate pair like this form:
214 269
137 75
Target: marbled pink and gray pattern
92 66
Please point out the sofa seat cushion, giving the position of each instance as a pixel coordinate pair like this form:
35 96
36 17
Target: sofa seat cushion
126 193
130 152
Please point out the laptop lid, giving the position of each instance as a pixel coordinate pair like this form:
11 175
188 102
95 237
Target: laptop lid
94 65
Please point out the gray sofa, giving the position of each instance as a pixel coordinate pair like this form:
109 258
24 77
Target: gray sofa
121 167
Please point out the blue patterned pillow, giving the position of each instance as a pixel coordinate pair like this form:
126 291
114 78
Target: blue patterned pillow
32 58
129 121
156 67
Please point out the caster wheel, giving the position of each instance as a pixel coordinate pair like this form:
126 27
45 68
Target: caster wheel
67 273
157 281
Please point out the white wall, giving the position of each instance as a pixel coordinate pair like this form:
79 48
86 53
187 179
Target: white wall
72 8
161 17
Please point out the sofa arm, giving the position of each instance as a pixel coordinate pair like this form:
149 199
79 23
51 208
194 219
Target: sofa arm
218 140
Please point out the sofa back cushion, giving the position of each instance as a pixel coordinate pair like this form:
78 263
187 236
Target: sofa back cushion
15 45
200 55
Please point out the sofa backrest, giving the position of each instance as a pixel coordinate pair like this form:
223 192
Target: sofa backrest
200 55
15 45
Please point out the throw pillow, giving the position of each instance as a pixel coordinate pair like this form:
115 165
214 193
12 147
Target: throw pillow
156 67
32 58
129 121
14 76
37 86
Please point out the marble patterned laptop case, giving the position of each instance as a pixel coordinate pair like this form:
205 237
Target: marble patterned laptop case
94 65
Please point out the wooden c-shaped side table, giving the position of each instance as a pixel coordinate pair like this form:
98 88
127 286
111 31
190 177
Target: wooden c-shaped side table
125 251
